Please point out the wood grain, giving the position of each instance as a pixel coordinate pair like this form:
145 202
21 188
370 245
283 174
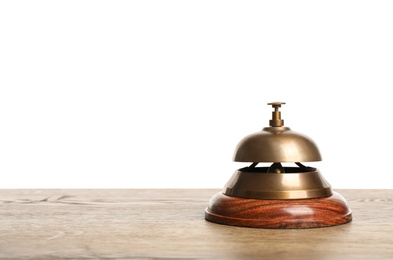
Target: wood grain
170 224
296 213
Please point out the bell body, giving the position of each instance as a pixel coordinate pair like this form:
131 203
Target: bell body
277 196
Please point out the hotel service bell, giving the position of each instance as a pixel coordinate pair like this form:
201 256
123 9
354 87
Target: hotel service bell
278 196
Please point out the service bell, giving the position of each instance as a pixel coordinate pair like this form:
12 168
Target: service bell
278 196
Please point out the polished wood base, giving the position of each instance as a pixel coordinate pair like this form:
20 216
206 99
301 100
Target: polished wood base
297 213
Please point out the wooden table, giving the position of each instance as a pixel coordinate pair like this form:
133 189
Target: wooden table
170 224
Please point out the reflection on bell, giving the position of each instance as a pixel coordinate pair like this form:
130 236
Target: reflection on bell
278 196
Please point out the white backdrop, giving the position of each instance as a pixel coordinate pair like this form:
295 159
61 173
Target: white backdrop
156 94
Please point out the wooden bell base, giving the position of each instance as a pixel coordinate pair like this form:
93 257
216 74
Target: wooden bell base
297 213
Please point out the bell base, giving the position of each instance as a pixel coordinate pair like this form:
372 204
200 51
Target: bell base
278 214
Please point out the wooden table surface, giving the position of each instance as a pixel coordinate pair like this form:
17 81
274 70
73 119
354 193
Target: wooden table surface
170 224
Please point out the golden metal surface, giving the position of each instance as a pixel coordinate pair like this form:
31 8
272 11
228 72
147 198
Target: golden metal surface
276 144
258 183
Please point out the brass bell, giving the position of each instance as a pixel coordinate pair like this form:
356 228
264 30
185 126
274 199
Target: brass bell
278 196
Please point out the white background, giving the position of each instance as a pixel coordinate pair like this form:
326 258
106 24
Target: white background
156 94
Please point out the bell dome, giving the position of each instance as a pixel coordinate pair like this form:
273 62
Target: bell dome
276 144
